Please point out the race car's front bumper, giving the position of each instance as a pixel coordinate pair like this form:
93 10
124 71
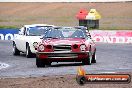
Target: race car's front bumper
63 55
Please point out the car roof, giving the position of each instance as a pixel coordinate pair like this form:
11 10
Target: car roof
34 25
76 27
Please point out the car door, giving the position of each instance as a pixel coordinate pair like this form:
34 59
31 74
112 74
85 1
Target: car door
24 40
18 39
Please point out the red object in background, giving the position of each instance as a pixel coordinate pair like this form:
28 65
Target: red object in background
81 15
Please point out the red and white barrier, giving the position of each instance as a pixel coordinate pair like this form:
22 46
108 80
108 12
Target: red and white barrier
107 36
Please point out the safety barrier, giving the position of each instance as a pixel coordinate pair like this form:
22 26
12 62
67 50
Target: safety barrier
8 34
105 36
110 36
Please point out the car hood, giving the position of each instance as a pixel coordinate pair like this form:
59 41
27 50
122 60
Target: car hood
34 38
68 41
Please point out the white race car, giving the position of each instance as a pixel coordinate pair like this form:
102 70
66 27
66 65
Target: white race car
28 38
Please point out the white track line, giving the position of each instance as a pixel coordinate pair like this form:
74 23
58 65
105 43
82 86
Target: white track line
3 65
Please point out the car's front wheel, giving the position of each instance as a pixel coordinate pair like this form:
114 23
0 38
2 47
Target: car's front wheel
15 50
88 61
94 58
40 62
28 52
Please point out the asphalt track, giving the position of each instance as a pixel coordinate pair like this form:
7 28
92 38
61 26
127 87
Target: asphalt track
111 58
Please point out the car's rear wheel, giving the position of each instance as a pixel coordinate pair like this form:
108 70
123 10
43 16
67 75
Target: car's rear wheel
88 61
28 52
40 62
15 50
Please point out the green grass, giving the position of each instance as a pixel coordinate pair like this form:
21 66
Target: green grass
100 28
10 27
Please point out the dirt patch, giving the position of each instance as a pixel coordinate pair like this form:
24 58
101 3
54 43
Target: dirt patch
67 81
114 15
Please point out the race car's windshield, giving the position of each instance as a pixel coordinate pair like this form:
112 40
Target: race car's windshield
65 33
37 31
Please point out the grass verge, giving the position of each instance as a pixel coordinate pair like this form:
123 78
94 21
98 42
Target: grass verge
8 27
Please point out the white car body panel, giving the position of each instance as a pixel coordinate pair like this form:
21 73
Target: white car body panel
22 39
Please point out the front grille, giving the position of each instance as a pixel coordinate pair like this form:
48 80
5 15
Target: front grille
62 48
68 55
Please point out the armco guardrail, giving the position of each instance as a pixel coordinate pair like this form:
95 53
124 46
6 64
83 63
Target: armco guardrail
8 34
64 0
109 36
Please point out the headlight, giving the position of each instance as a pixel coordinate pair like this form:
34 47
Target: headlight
35 44
83 47
41 47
